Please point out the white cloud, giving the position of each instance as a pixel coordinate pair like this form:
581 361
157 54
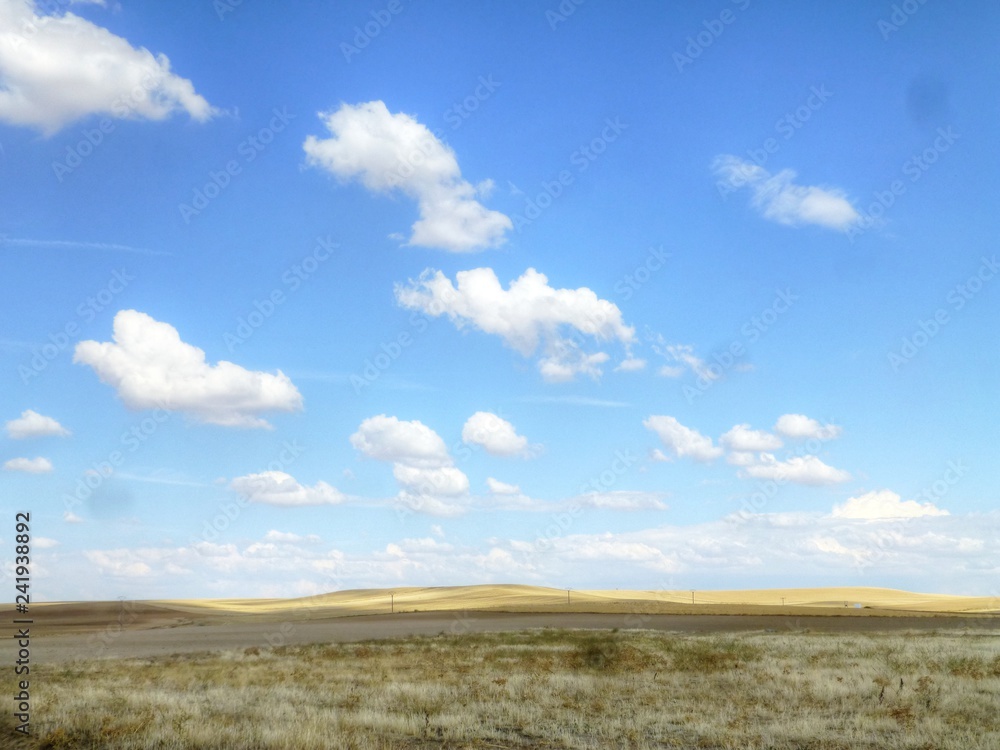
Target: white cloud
71 517
808 470
884 504
670 371
279 488
31 424
742 438
420 463
29 465
947 553
286 537
389 439
439 481
779 199
529 316
43 542
56 69
801 426
685 358
631 364
151 367
388 152
495 434
741 458
624 500
497 487
682 441
118 562
608 549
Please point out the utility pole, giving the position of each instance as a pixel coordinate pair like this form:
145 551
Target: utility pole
567 596
392 603
692 596
782 601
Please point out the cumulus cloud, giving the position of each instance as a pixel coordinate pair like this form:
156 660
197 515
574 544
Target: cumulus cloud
497 487
632 364
883 504
58 68
441 480
29 465
741 458
421 463
495 434
808 470
279 488
801 426
779 199
530 316
150 367
31 424
742 438
118 562
682 441
386 152
391 439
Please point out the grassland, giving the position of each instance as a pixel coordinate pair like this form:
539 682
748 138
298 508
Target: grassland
542 688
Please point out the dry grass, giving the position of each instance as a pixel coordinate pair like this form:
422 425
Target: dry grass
540 689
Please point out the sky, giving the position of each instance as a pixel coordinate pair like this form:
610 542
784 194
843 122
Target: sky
651 295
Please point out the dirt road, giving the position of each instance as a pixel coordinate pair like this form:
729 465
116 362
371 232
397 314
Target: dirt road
149 636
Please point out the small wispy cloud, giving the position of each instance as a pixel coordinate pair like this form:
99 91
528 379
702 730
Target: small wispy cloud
161 479
78 245
779 199
574 400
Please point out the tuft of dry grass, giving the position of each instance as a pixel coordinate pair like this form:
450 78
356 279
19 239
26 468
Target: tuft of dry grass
545 688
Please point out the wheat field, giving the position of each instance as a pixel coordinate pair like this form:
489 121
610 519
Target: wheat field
543 688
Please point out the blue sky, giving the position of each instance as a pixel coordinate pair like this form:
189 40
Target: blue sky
695 295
